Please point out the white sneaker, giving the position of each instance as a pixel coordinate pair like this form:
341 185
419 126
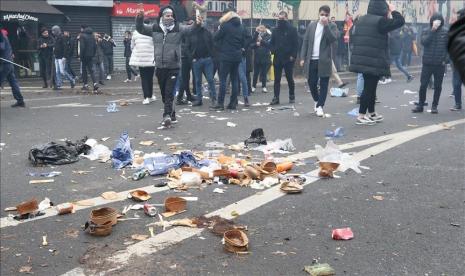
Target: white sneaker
146 101
136 78
253 89
154 98
264 90
319 112
127 80
376 117
108 77
364 121
314 108
388 81
381 82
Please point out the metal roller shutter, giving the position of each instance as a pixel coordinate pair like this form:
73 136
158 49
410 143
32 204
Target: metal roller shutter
119 26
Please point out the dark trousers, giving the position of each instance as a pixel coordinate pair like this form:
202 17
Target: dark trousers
184 84
9 75
406 58
146 77
319 98
368 98
129 69
69 68
289 72
45 65
231 69
260 69
87 66
108 64
166 81
457 85
437 71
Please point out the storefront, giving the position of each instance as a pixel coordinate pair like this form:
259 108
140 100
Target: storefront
23 20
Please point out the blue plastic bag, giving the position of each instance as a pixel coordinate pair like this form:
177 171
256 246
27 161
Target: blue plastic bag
122 155
353 112
337 133
164 163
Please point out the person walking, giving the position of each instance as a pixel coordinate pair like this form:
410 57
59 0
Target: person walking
230 40
395 47
127 55
99 59
60 53
262 55
45 50
370 53
283 45
243 80
7 71
184 78
200 46
167 35
142 57
434 41
87 52
107 46
408 38
316 55
69 52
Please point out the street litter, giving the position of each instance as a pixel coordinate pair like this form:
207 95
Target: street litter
149 132
122 155
218 191
58 154
111 195
337 133
409 125
101 221
379 198
46 174
150 210
230 124
320 270
65 208
41 181
139 195
410 92
332 154
152 234
111 108
146 143
44 204
139 237
97 151
339 92
175 204
342 234
82 172
105 139
215 145
446 127
25 269
353 112
256 137
236 241
278 146
123 103
44 241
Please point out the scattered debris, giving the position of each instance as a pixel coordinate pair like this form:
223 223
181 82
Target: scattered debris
44 241
111 195
215 145
320 270
45 174
230 124
122 155
337 133
236 241
41 181
339 92
218 191
139 195
256 137
353 112
58 154
410 92
65 208
147 143
342 234
139 237
111 108
26 269
379 198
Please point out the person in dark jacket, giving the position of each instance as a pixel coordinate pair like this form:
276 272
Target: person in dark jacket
184 78
99 67
127 54
45 50
408 37
283 45
370 53
107 46
262 61
167 35
395 47
87 52
230 42
7 71
70 46
60 53
456 47
200 46
434 41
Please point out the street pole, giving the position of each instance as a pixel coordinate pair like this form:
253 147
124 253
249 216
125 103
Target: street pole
9 61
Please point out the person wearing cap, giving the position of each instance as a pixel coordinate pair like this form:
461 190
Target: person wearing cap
60 53
167 35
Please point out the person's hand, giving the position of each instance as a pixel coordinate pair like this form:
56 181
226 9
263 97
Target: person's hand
392 7
258 43
199 20
324 20
291 58
140 14
45 45
302 62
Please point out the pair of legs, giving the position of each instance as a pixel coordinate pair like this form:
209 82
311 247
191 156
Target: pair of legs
457 85
244 84
437 71
87 66
68 67
108 64
45 65
9 75
229 68
288 67
167 80
368 97
100 69
146 77
335 76
260 69
396 60
184 80
129 69
318 97
60 71
204 66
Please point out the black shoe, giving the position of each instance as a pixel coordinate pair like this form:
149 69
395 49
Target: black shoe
174 120
410 78
434 110
19 104
85 88
196 103
343 84
232 107
190 98
358 100
291 101
424 104
218 107
456 107
417 109
45 86
258 141
275 101
166 121
181 102
246 101
101 82
95 88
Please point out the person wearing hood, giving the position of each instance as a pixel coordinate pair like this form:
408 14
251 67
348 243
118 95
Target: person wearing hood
230 41
142 57
370 55
60 52
167 35
45 50
7 71
283 45
456 46
434 41
87 52
107 46
316 56
262 61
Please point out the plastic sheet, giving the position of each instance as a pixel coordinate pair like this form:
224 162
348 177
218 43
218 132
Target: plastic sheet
122 155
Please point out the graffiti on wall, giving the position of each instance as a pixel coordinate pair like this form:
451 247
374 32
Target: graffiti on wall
265 9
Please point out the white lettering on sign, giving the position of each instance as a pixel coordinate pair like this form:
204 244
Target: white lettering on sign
20 17
218 6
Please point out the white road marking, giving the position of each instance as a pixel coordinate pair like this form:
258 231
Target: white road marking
178 234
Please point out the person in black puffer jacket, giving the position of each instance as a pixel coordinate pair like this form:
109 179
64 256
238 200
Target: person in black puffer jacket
434 41
87 51
370 53
456 47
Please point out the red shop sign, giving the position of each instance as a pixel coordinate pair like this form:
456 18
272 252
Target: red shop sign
131 9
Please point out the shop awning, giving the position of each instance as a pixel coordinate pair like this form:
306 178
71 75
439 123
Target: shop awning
23 10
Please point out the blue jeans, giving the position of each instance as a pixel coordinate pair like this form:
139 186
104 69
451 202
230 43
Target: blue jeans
232 69
8 74
243 77
205 66
396 60
360 83
60 66
457 85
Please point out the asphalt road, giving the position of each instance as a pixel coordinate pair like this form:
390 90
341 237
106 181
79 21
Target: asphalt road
417 229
